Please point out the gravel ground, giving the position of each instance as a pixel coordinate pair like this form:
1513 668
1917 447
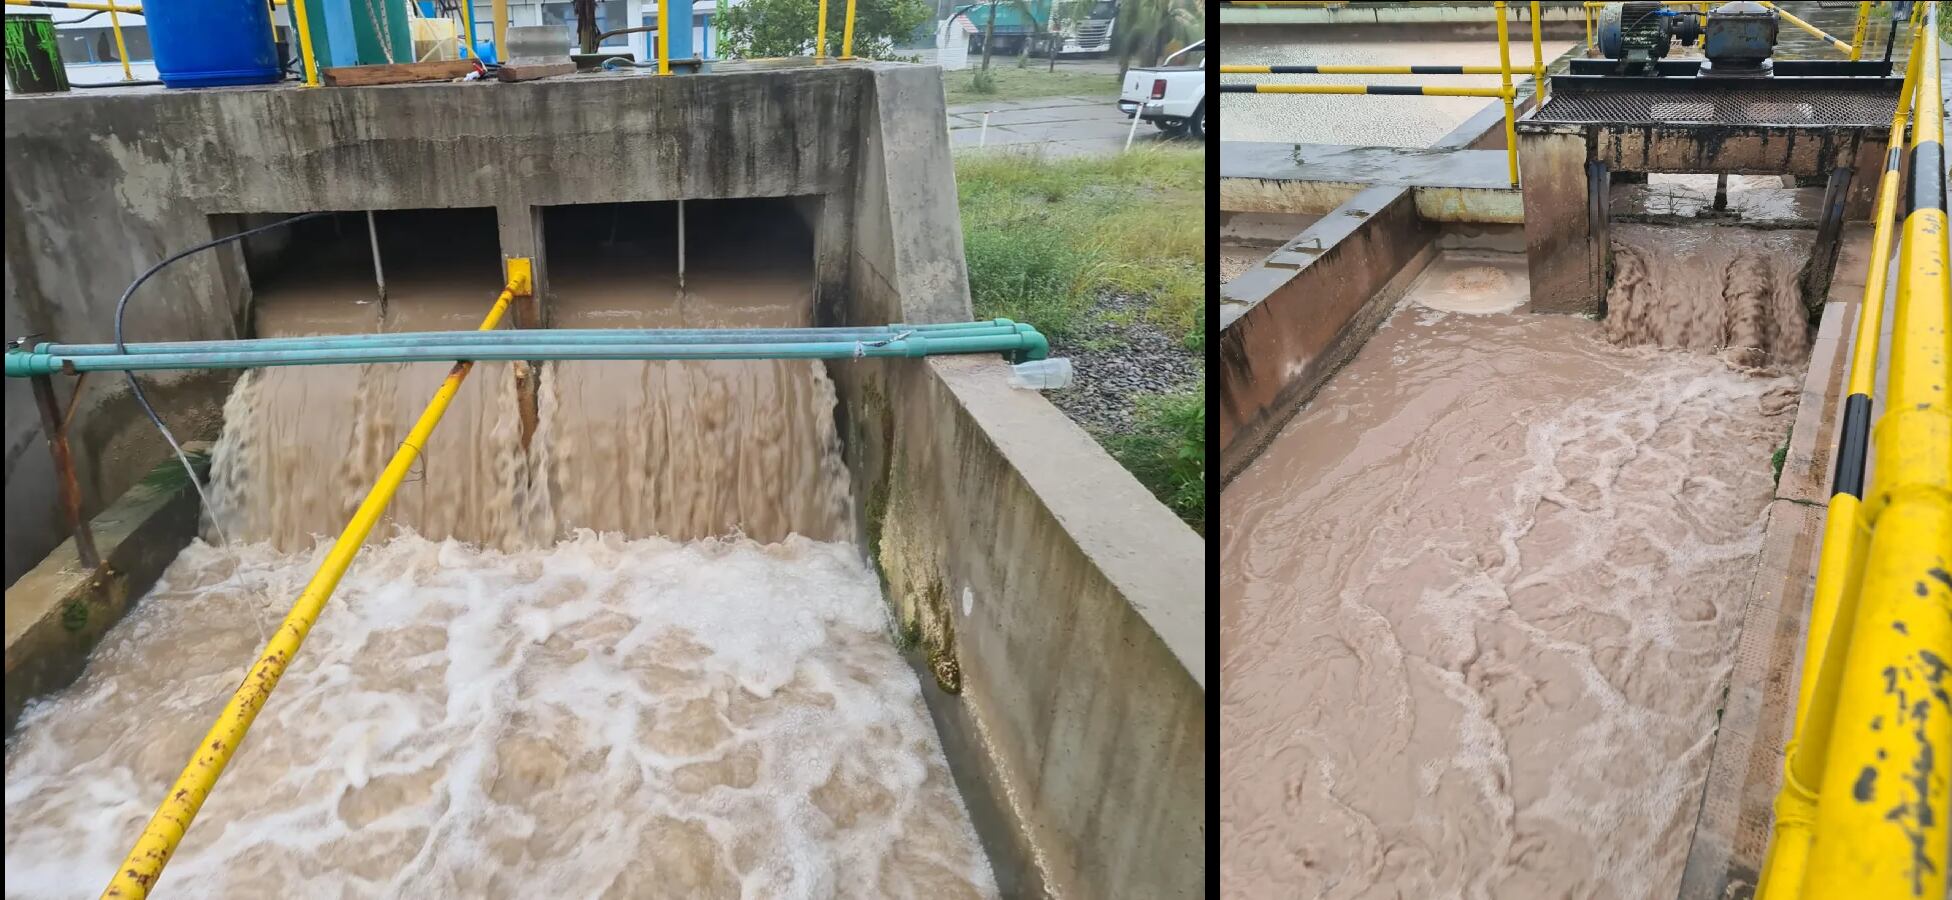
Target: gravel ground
1140 359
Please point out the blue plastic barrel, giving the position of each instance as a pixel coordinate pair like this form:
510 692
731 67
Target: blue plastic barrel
211 43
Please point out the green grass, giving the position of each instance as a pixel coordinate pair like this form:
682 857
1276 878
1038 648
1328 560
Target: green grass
1007 82
1166 450
1045 238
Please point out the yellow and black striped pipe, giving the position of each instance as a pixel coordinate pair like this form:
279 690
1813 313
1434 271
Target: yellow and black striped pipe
1360 70
1399 90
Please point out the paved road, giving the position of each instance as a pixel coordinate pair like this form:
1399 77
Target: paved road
1059 126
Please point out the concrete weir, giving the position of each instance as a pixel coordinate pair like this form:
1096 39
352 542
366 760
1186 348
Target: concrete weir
1056 608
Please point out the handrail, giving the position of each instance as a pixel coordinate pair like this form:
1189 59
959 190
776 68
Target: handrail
144 864
1860 812
114 22
1505 91
1819 33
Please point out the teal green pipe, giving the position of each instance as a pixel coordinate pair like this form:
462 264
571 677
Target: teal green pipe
522 336
1022 345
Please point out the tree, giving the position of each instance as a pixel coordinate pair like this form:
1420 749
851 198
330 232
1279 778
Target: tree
1146 28
989 29
765 28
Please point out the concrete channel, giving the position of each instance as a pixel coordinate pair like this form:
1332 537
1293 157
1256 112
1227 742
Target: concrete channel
1056 608
1375 228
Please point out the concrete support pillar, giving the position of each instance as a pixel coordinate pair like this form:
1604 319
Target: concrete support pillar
1564 278
519 230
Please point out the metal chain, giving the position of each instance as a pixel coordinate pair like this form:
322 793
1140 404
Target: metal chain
382 27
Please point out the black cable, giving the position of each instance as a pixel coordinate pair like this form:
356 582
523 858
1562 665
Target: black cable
109 84
135 387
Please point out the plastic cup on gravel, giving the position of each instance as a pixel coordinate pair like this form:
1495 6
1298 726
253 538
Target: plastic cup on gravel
1042 374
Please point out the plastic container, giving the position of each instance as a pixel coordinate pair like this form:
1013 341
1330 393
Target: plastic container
211 43
1042 374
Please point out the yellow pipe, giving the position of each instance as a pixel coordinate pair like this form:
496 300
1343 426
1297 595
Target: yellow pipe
663 38
1538 60
1812 29
1588 11
121 49
144 864
1364 89
305 43
501 29
820 33
1504 66
1833 606
847 32
1857 36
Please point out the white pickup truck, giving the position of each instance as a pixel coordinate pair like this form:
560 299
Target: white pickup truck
1171 95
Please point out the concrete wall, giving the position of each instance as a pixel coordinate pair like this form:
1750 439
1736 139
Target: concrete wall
1303 320
1054 608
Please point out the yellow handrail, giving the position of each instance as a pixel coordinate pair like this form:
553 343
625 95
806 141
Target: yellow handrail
820 32
1861 811
1833 605
305 43
1881 827
144 864
121 49
1820 34
1504 64
847 32
1857 35
663 39
1504 91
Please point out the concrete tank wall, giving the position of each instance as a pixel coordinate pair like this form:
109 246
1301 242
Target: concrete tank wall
1077 734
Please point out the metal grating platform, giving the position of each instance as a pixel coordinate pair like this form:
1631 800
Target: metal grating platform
1719 106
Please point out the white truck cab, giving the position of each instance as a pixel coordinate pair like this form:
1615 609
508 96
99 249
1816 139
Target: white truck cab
1171 95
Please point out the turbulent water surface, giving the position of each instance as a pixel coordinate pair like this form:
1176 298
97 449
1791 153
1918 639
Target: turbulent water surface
1478 600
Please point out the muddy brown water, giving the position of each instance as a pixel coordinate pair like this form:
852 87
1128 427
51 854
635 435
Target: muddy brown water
1479 599
638 658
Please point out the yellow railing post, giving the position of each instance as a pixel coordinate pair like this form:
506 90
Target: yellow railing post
820 32
305 43
467 33
1881 827
1538 60
121 49
1857 36
1587 11
663 39
144 864
847 32
1504 74
500 9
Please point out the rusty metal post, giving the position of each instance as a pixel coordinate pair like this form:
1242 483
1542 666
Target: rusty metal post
1823 254
64 470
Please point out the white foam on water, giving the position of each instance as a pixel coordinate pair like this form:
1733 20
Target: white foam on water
604 718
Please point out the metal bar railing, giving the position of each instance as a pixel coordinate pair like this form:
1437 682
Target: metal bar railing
1833 604
1504 91
114 22
820 32
1819 33
1861 810
1881 828
1360 70
304 26
1857 34
144 864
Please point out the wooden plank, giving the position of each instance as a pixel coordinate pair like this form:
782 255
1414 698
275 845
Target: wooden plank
529 71
397 73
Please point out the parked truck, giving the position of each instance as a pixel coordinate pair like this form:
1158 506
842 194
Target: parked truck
1171 95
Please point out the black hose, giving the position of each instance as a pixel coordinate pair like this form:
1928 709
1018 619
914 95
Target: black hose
135 387
109 84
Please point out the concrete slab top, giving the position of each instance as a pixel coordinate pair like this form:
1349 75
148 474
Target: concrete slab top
1404 166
